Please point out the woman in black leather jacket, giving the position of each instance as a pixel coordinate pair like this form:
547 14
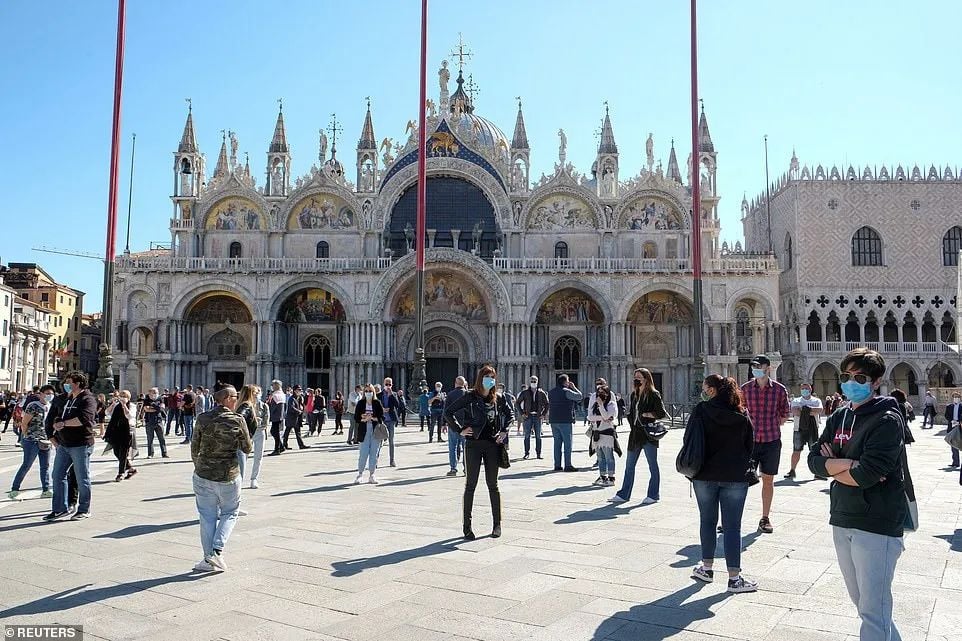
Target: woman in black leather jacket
482 418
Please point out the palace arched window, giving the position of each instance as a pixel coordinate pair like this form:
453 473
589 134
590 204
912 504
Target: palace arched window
317 353
743 332
951 245
567 354
561 249
649 250
235 250
787 262
866 248
227 344
323 249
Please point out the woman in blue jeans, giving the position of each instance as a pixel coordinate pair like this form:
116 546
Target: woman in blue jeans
721 483
645 407
35 444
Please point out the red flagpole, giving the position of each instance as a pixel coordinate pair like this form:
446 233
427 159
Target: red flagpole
114 184
419 363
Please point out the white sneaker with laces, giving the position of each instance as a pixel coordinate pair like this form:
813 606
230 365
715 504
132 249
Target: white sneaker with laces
357 481
204 566
648 501
217 560
372 480
254 484
616 499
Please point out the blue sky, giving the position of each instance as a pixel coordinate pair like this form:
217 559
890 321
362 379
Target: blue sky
842 82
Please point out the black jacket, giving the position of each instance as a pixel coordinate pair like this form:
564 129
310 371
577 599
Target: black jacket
872 435
295 411
470 411
649 403
950 412
532 402
729 440
82 407
359 412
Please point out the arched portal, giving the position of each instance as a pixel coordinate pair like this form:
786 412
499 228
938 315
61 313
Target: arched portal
443 354
567 358
660 329
306 335
825 380
218 326
941 375
317 362
903 377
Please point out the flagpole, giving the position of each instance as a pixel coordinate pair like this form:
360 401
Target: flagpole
419 361
105 376
698 365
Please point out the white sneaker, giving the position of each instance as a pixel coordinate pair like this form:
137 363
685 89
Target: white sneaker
204 566
217 560
648 501
241 512
254 484
372 480
616 499
357 481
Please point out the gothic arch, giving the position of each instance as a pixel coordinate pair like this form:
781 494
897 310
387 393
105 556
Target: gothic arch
144 295
597 297
396 276
931 366
232 187
313 189
754 293
620 221
559 186
919 372
470 343
397 184
297 283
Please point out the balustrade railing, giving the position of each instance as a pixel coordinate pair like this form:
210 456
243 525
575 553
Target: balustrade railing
926 347
251 264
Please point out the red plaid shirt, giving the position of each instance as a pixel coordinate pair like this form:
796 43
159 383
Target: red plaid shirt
768 408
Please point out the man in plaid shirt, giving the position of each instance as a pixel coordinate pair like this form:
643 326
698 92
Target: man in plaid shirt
767 403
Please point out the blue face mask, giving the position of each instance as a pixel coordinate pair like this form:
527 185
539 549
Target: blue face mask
758 373
857 392
67 387
806 393
487 383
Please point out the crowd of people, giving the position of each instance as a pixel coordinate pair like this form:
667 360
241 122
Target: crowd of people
733 440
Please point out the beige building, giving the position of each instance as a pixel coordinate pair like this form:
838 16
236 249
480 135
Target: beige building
867 256
37 286
310 278
32 344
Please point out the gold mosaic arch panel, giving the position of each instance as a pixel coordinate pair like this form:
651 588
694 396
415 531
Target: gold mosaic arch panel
218 307
235 214
569 306
321 211
659 308
446 292
650 213
561 211
311 305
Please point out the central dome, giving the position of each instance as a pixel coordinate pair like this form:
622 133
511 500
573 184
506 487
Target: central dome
489 135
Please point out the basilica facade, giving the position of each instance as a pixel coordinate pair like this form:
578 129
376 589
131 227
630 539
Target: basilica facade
311 278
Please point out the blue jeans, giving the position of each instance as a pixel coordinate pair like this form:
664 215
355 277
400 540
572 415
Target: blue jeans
390 437
155 431
561 434
188 426
731 498
31 451
368 451
258 455
217 505
867 562
80 458
654 483
242 464
532 423
606 461
455 442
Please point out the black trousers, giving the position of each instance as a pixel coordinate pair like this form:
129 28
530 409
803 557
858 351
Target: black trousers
476 453
293 426
122 452
276 435
338 426
311 423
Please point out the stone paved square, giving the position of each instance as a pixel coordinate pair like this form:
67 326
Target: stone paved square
320 559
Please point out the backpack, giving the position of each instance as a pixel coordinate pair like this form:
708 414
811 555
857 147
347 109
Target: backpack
692 454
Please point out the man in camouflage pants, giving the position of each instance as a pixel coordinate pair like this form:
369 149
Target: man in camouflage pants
218 435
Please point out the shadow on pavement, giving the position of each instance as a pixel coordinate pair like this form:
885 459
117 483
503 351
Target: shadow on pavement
567 491
606 512
692 553
356 566
75 597
141 530
955 539
187 495
663 618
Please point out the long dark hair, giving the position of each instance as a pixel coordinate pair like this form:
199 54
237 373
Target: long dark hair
727 391
486 370
649 379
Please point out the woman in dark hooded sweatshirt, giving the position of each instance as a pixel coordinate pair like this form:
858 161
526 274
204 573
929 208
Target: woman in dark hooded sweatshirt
721 482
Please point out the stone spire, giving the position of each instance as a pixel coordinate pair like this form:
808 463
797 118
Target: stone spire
222 168
673 172
704 136
520 139
279 142
188 141
367 141
607 144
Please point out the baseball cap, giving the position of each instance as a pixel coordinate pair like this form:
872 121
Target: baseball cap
761 359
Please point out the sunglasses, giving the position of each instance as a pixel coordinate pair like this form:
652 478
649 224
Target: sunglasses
861 379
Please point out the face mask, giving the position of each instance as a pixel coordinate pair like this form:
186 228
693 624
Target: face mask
705 396
637 383
152 397
259 395
437 389
487 383
48 397
533 385
857 392
956 399
368 395
758 373
67 387
806 393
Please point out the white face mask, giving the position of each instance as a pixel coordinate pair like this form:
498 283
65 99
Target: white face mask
533 385
368 395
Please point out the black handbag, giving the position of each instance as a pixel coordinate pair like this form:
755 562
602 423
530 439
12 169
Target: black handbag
656 431
505 461
751 474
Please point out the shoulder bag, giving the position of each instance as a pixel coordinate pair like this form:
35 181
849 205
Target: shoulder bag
380 432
